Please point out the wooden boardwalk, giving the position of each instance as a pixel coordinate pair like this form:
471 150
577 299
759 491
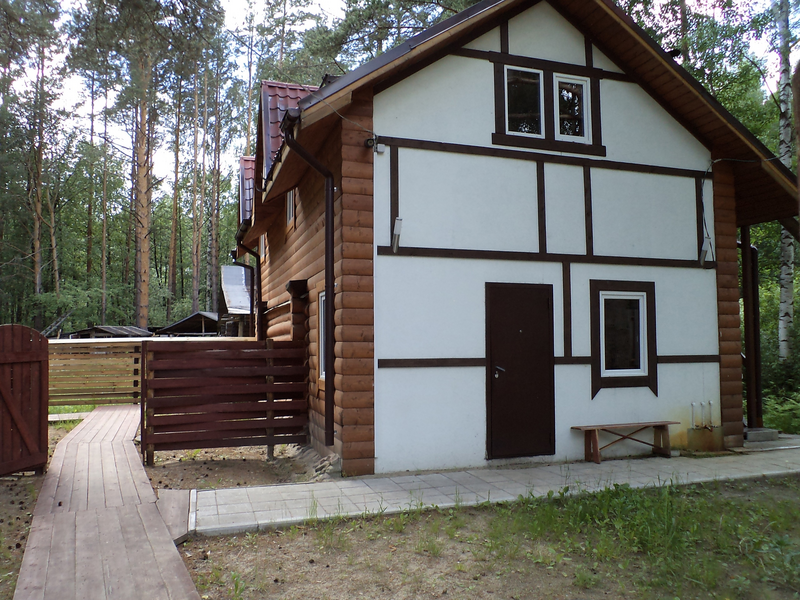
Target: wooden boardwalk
97 532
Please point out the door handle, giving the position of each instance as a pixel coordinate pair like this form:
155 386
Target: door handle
497 371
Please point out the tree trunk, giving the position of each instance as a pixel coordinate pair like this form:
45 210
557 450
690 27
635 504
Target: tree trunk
196 219
215 193
90 203
51 201
142 224
203 179
173 233
104 240
786 306
35 177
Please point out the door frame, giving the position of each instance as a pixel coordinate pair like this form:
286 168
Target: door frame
547 287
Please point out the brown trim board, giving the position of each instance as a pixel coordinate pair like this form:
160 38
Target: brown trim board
503 38
587 201
394 188
547 143
700 209
424 363
566 292
416 363
540 200
536 156
537 257
514 60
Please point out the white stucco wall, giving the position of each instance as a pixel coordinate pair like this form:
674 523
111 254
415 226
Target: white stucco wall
435 307
565 209
638 214
543 33
447 201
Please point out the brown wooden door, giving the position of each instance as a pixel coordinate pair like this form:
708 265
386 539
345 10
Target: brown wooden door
23 399
520 375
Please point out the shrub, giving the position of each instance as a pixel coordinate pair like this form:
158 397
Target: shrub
782 413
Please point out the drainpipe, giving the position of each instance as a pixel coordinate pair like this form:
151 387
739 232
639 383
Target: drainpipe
257 278
292 117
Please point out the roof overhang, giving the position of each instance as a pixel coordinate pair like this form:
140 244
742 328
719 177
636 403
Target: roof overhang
765 189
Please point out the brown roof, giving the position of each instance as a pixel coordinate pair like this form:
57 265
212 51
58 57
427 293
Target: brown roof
765 189
278 97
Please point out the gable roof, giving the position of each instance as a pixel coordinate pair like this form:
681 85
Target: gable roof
765 189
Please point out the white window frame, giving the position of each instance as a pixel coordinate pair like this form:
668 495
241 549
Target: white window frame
290 207
587 113
642 298
321 334
541 102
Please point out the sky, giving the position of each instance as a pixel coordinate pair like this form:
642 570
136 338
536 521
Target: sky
235 14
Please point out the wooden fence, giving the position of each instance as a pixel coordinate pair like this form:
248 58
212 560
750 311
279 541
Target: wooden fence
23 399
95 371
207 394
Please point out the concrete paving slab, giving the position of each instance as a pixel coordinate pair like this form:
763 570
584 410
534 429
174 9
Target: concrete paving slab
229 511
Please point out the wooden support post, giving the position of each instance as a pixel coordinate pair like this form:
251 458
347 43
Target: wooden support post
270 344
750 332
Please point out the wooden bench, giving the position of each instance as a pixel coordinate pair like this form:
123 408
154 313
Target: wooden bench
591 435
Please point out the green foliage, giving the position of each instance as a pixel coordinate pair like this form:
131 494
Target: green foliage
782 413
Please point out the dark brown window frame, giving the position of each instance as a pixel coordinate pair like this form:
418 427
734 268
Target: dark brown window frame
503 137
650 380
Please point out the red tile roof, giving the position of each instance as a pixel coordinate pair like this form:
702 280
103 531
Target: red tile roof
279 97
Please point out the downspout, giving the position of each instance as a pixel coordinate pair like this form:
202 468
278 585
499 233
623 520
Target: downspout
257 270
292 117
252 289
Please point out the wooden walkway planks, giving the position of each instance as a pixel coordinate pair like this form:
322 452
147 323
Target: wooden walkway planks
97 532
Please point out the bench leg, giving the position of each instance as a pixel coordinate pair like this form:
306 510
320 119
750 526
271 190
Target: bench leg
591 446
661 443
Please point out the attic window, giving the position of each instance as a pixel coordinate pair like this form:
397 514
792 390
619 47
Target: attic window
540 109
524 101
571 104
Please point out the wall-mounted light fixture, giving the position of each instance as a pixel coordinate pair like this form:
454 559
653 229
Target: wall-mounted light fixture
398 226
705 250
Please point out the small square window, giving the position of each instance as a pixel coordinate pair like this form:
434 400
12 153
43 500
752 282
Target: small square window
623 318
623 335
321 334
572 105
290 199
524 102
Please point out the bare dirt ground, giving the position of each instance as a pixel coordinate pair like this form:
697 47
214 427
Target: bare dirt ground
17 498
235 467
487 552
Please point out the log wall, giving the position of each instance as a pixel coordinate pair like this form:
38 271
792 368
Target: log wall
730 337
298 253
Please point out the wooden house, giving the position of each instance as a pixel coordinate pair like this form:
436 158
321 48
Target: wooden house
519 221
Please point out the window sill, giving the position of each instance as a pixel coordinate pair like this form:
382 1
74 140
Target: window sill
505 139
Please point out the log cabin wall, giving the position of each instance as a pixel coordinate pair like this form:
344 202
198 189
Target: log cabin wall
297 252
354 349
730 339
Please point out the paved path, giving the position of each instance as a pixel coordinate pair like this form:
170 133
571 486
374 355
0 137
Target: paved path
97 532
218 512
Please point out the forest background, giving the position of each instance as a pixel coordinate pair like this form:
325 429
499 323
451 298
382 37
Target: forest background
124 215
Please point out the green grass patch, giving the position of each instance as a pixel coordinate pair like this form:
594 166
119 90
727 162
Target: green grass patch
71 408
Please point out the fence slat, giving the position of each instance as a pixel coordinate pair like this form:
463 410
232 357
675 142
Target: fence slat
208 394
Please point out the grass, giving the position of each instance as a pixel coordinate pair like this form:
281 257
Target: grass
72 408
726 540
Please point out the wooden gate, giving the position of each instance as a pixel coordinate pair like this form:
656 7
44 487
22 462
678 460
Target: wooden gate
23 399
222 393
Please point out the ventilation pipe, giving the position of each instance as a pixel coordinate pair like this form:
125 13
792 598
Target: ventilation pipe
291 118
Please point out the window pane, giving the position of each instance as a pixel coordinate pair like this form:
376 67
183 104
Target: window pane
622 331
523 90
570 108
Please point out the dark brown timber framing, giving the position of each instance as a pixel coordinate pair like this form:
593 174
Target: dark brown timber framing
292 117
540 200
415 363
537 257
537 156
